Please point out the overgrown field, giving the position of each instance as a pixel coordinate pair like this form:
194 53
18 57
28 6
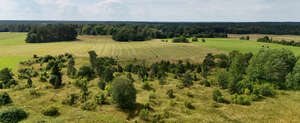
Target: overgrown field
284 107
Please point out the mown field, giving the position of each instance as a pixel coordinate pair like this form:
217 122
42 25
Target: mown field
275 37
14 49
285 107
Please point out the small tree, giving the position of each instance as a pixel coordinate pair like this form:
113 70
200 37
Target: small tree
56 76
93 59
4 99
85 72
108 75
6 78
123 93
71 70
187 80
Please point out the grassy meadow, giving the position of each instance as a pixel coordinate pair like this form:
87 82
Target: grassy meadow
285 107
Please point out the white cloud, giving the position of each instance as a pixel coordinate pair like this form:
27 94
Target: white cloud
151 10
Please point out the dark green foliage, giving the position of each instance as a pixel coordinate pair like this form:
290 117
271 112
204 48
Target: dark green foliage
129 77
71 70
29 83
12 115
283 42
272 65
82 84
222 78
245 38
218 97
108 75
123 93
209 61
170 93
51 33
189 105
147 86
56 76
100 99
6 78
85 72
222 61
44 76
181 39
93 59
293 79
4 99
26 73
50 111
187 80
101 84
132 34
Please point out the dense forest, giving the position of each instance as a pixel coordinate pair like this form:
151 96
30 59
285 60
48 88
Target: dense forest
139 31
50 33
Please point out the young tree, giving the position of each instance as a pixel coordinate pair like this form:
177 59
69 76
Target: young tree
187 79
293 79
71 70
123 93
108 75
56 76
6 78
93 59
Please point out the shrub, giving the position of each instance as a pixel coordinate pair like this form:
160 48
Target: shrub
144 114
12 115
70 99
6 78
100 99
264 90
240 99
293 79
147 86
222 79
216 94
187 80
4 99
56 76
181 39
88 105
34 93
170 93
189 105
85 72
50 111
123 93
101 84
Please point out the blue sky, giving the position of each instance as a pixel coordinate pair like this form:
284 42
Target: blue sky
151 10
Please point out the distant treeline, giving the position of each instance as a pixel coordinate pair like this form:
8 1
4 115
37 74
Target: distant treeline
267 39
51 33
126 31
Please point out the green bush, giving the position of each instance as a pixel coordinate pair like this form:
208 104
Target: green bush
50 111
240 99
70 99
218 97
85 72
100 99
264 90
6 79
170 93
12 115
222 79
144 114
89 106
187 80
123 93
4 99
101 84
146 86
189 105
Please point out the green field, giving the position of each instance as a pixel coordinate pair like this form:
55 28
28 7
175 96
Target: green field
228 44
